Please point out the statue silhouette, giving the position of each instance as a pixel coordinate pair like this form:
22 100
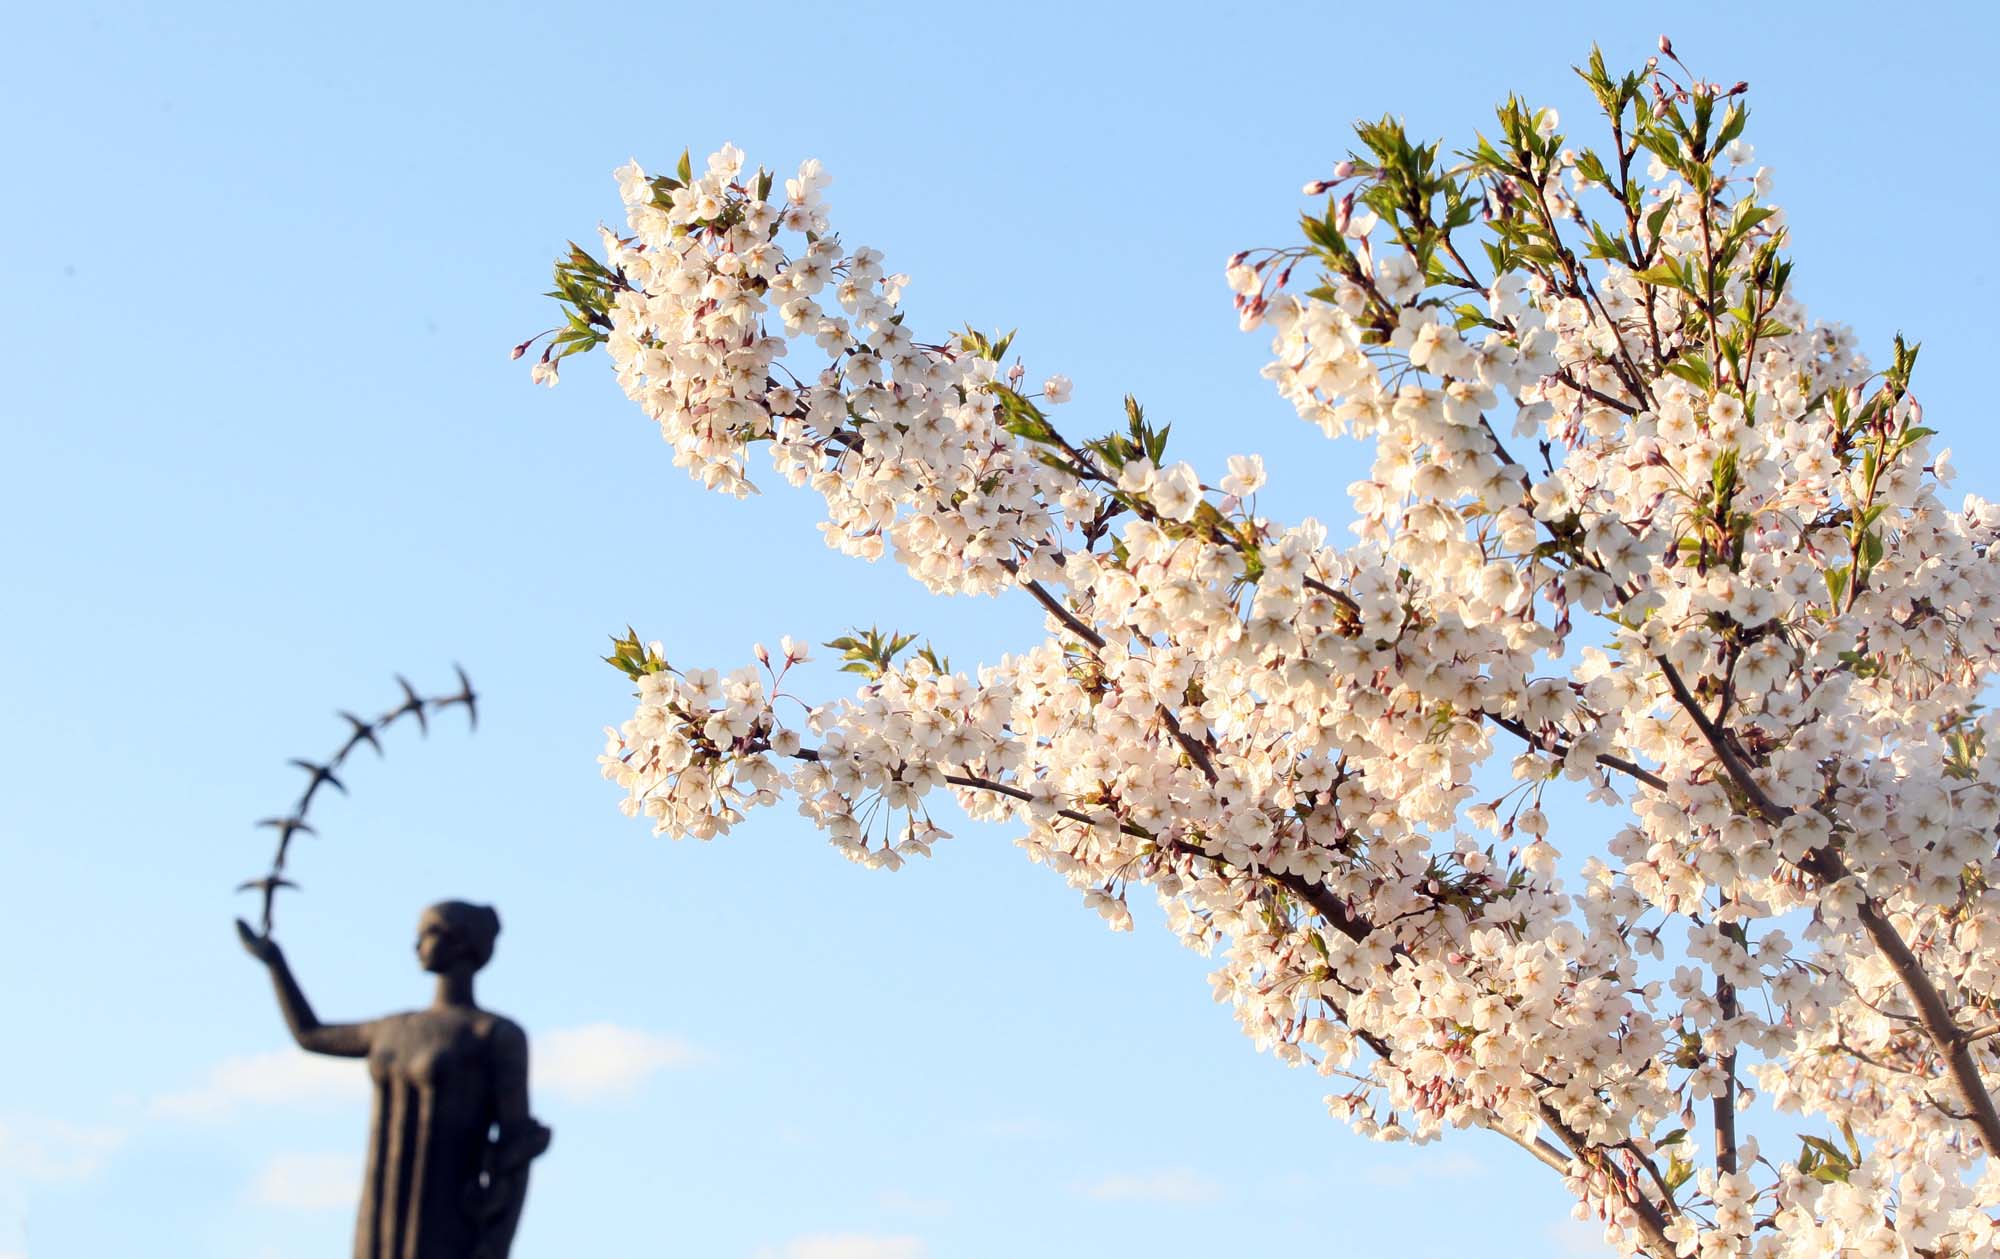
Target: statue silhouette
451 1138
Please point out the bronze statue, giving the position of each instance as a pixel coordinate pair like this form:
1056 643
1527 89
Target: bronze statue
451 1138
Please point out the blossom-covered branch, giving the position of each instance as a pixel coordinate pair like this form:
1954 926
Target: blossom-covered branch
1722 593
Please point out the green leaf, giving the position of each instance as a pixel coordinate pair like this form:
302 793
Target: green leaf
871 653
1021 417
1823 1161
1666 274
1679 1171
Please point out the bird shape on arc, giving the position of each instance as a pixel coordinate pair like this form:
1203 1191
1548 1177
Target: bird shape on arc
323 774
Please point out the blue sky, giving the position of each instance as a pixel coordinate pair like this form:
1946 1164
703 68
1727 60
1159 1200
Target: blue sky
263 448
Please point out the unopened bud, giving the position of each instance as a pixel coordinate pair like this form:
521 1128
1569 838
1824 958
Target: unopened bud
519 350
1742 86
1344 169
1666 46
762 653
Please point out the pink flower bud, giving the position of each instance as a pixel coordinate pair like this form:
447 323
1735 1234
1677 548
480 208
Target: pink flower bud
1344 170
1666 46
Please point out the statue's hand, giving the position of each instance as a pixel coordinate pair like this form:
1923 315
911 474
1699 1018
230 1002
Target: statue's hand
261 947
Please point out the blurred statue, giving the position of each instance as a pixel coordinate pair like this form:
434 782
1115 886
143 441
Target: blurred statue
451 1138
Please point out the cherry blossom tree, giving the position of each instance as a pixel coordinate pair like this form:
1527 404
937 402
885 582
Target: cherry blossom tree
1634 521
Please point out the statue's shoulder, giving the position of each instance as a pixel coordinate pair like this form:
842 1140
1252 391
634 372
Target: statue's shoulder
500 1029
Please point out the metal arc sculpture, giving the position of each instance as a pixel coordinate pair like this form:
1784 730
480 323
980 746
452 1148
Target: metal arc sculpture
325 774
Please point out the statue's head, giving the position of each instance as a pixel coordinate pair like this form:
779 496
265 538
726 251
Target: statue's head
456 934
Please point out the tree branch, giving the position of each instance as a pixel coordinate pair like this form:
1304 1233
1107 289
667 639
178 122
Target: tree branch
1826 863
1619 763
1356 928
1652 1222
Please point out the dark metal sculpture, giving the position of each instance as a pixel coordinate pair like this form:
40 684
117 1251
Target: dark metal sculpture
451 1138
322 775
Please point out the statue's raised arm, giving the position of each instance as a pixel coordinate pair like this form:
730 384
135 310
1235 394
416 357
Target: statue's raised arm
340 1040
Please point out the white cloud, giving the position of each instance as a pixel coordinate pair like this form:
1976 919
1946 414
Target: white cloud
309 1182
603 1060
849 1246
50 1150
1182 1187
1422 1169
587 1063
287 1077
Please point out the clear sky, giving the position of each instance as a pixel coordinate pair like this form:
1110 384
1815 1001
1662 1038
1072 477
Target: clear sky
261 447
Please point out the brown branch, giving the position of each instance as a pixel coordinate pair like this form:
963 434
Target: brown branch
1652 1222
1718 742
1724 1103
1355 927
1616 404
1056 609
1935 1015
1826 863
1619 763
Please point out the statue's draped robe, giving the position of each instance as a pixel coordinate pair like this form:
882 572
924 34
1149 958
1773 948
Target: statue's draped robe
436 1074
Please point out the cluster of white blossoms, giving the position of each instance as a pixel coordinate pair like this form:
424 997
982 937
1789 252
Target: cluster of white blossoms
1634 521
735 319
